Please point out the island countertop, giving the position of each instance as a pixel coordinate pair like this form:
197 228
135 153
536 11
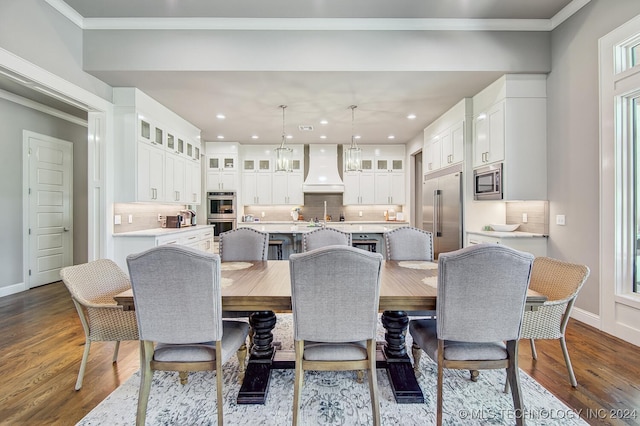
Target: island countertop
157 232
513 234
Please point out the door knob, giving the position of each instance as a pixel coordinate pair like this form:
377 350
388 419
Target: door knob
66 229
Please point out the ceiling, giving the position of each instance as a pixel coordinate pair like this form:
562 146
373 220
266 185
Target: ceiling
250 99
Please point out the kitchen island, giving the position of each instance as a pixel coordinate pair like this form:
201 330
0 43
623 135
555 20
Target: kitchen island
290 233
535 244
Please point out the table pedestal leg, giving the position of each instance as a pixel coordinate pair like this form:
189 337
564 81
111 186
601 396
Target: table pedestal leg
256 380
401 376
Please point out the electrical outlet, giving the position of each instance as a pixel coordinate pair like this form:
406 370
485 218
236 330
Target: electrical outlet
117 219
525 218
360 213
560 220
262 214
159 217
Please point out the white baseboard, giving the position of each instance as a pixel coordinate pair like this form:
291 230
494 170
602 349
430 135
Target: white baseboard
586 317
12 289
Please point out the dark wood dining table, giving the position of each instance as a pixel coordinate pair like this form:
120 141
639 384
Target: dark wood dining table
264 288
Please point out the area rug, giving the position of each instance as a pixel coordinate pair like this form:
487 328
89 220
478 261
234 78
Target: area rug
330 398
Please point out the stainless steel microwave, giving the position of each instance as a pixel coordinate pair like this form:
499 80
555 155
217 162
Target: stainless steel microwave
487 182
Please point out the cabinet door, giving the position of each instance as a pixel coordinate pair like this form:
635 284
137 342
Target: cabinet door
382 189
249 189
228 180
193 182
446 153
214 164
457 143
496 133
396 191
175 179
150 173
433 155
280 190
257 188
367 183
480 139
351 188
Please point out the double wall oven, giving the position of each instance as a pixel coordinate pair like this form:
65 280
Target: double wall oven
221 211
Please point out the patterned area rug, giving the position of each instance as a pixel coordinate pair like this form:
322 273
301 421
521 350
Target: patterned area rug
331 398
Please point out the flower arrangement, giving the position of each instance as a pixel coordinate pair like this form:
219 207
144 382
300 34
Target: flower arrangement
295 213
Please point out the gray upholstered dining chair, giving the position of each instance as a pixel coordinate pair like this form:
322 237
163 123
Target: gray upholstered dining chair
560 282
408 243
178 302
482 290
243 244
334 324
92 286
324 237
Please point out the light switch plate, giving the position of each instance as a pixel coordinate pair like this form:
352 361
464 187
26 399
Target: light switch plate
117 219
560 220
130 218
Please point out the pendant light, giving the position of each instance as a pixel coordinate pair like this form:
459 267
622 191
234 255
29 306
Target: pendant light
283 152
353 154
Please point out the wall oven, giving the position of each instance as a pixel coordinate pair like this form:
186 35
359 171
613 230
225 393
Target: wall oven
221 211
487 182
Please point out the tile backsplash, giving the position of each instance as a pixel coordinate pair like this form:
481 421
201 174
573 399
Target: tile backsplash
537 215
314 207
144 216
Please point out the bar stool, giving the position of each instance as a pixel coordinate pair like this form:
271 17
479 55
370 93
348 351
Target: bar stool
278 247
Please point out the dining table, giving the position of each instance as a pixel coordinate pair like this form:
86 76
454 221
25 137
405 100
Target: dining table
264 289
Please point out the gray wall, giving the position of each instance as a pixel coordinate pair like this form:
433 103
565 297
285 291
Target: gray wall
38 33
14 119
573 136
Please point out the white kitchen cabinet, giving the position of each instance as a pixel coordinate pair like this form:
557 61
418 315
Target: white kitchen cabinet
148 138
150 172
358 188
452 143
432 155
510 126
389 188
536 245
193 182
222 172
175 178
199 237
287 188
489 133
256 188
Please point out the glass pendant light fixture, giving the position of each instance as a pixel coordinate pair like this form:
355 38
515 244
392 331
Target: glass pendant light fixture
283 152
353 154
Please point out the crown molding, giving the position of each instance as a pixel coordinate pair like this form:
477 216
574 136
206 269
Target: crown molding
317 24
67 11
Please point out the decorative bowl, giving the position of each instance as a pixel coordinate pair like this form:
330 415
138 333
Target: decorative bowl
504 228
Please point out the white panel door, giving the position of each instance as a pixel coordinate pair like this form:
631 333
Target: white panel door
50 208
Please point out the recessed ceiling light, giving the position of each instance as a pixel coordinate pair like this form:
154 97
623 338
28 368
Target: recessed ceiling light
391 137
220 116
323 136
324 122
411 116
255 137
220 137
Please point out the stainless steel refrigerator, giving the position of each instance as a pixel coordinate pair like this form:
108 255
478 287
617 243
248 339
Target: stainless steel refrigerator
442 209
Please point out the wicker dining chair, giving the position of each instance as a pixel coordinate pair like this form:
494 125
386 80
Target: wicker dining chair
325 237
560 282
92 286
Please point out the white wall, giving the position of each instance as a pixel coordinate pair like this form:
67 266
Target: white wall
573 137
14 119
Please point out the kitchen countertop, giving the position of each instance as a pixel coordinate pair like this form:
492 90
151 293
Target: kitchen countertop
513 234
156 232
301 227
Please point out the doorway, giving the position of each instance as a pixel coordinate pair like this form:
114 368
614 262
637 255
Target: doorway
48 165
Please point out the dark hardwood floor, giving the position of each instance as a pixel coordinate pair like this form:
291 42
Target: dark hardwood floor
41 343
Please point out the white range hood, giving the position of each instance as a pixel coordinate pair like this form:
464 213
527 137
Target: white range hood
323 176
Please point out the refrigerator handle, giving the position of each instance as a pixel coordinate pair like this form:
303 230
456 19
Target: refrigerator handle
437 228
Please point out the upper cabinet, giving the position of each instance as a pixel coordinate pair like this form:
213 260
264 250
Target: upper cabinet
222 166
157 152
510 126
287 186
444 139
382 179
